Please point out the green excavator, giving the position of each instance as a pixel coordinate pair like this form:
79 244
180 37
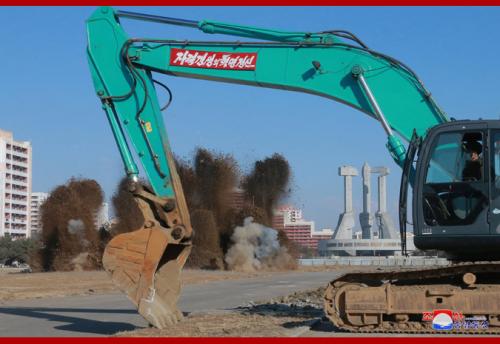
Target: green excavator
452 166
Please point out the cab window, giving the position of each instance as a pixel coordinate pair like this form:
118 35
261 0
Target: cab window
454 192
456 157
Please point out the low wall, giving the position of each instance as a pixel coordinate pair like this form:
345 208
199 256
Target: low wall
379 261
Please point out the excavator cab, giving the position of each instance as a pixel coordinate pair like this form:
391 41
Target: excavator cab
456 199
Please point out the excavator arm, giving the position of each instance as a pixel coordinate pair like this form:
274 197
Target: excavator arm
146 263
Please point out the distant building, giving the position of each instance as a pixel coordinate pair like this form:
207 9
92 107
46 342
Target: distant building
37 199
15 186
237 199
325 233
289 219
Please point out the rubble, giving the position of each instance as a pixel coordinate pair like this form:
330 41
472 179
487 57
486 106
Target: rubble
307 304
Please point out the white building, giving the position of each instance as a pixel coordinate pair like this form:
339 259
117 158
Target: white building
37 199
289 219
15 186
328 232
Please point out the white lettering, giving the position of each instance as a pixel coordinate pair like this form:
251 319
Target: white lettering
217 60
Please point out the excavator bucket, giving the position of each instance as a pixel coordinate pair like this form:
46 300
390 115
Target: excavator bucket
146 264
147 267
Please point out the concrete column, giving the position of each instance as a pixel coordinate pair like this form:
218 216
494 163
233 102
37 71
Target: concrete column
382 172
382 193
365 218
348 172
346 219
385 224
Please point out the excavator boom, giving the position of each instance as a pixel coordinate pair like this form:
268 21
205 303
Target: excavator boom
146 263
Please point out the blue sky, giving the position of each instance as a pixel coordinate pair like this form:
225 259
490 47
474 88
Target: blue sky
47 96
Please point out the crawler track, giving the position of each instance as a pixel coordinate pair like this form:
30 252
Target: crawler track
393 301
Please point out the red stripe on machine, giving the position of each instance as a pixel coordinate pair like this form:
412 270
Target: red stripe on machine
212 60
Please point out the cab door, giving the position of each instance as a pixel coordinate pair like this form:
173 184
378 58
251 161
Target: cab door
454 201
407 177
495 182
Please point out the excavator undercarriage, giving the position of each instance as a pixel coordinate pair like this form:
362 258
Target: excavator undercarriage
403 301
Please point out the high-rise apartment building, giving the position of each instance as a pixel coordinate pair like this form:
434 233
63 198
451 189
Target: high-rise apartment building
37 199
15 186
297 229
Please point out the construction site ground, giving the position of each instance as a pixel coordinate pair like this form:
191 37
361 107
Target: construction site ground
297 314
16 285
215 303
86 304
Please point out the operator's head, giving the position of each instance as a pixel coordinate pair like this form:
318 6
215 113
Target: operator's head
474 148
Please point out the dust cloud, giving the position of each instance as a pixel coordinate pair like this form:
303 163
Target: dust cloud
211 182
256 247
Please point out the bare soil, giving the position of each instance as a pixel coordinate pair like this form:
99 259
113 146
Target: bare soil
228 325
299 314
290 316
15 285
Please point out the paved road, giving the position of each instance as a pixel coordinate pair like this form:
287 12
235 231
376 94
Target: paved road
101 315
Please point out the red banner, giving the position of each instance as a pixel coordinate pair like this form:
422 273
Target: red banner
212 60
365 338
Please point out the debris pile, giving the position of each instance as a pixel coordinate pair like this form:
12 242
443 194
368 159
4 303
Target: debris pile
306 303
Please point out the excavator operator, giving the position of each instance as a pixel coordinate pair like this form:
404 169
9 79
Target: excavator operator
473 167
